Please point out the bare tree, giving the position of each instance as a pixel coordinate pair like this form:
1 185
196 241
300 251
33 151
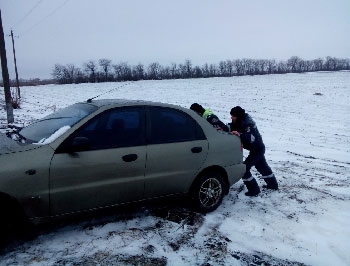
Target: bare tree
106 65
213 70
65 74
271 66
229 67
79 76
90 68
222 68
70 72
197 72
165 72
154 70
205 71
188 68
182 71
138 72
174 71
239 67
308 66
248 66
282 67
294 64
58 73
318 64
261 66
122 71
331 63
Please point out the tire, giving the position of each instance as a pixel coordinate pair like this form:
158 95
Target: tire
208 191
5 229
13 223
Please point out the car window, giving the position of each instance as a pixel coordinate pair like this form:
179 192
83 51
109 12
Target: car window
169 125
120 127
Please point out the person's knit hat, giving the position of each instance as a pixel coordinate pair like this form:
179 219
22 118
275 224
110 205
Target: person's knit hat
197 108
238 112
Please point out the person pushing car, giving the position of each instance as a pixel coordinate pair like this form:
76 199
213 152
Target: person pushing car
208 115
244 126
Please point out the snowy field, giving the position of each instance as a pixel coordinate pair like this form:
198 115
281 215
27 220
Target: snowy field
305 123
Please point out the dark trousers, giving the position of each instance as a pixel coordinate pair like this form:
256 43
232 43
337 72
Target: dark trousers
258 160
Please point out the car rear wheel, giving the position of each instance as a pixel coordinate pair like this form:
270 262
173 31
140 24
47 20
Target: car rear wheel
208 191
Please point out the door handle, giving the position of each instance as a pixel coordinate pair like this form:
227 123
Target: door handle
30 172
196 149
129 158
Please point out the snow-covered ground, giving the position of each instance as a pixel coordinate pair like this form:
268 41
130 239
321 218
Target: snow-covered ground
305 123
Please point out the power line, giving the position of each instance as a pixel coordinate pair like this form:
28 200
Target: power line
49 15
29 12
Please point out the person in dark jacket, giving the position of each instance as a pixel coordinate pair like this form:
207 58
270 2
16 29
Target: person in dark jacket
208 115
244 126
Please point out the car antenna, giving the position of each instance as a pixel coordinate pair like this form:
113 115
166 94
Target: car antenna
121 86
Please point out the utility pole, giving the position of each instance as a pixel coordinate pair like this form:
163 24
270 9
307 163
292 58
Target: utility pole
14 58
5 76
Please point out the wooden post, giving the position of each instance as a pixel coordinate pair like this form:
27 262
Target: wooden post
14 58
5 76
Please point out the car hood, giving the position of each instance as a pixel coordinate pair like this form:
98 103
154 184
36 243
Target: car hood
8 145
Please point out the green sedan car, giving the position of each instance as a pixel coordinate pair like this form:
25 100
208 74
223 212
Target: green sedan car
103 153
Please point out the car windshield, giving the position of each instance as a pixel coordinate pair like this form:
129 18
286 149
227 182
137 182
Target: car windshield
64 118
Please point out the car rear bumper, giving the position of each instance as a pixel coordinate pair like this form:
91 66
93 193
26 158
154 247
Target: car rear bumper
235 172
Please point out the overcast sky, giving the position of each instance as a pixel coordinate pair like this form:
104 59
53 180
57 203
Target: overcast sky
141 31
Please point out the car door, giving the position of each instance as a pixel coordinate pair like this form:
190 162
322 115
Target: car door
100 164
176 150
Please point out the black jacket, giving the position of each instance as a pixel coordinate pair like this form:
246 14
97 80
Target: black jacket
250 136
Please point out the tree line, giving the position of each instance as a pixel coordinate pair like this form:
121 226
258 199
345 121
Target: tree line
104 70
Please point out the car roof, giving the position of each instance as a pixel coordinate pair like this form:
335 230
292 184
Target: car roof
125 102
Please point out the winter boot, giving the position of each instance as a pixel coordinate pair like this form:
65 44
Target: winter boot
271 182
252 186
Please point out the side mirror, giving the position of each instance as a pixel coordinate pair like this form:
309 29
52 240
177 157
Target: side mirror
80 144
